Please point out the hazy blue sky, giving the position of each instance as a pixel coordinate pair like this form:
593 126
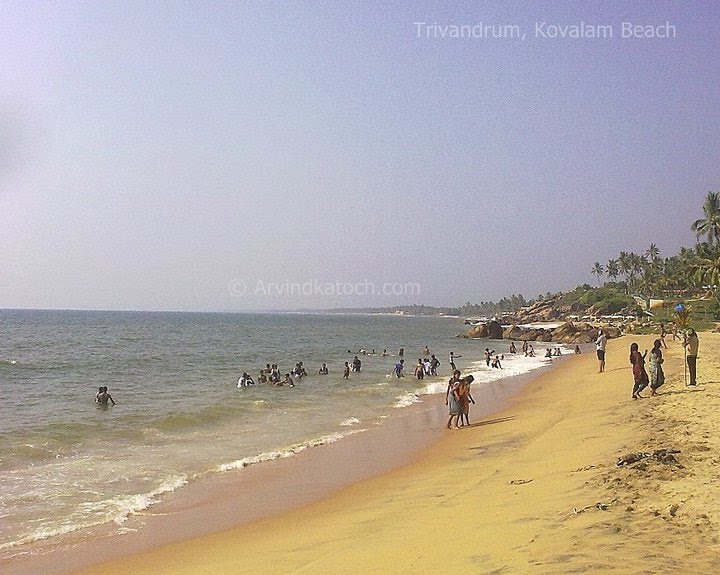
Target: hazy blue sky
213 155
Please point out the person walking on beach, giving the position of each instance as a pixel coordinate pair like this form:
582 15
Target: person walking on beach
103 397
657 376
640 376
346 371
692 343
663 333
452 399
600 345
465 398
399 366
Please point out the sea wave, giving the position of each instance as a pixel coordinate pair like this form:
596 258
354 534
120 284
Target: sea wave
90 514
287 452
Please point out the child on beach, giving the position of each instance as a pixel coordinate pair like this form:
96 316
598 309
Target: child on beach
399 366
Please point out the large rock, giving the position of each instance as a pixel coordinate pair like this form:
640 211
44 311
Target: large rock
529 335
544 335
512 332
479 330
495 330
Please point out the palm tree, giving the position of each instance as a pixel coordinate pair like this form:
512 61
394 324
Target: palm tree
597 270
652 253
707 270
709 225
612 269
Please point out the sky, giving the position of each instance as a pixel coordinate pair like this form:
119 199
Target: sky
230 156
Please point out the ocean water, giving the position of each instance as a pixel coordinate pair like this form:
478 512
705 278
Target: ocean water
67 465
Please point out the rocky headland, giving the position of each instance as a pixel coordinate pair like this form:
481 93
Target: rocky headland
550 321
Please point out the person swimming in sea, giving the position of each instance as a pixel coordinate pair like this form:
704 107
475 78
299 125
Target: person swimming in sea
245 380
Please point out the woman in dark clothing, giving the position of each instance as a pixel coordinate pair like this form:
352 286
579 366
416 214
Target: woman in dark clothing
640 376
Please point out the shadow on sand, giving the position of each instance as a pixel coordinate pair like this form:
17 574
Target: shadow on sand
491 421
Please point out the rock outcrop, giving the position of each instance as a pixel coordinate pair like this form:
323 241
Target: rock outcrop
568 332
495 330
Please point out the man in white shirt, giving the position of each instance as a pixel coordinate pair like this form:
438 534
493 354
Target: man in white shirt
600 344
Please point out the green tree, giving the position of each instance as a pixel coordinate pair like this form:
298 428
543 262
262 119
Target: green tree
709 225
597 270
652 253
612 269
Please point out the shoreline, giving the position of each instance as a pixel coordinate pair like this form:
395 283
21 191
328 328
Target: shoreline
241 497
533 489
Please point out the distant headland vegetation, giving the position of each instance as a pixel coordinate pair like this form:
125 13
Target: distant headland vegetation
641 291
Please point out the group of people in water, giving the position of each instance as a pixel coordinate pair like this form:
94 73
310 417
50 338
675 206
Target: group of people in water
272 375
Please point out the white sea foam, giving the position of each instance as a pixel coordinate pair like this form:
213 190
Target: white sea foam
94 513
407 399
287 452
512 365
350 421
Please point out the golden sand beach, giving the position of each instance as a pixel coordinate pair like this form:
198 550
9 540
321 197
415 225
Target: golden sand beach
533 489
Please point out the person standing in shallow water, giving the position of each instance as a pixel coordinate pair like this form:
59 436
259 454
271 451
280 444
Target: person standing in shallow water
420 369
103 397
451 360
